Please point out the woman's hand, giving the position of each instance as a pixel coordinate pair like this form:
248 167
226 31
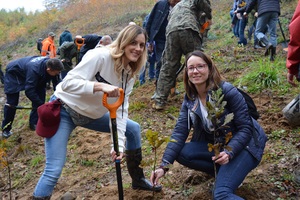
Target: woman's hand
111 90
156 175
222 159
114 156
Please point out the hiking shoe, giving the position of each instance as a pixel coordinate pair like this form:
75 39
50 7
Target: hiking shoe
262 44
153 96
6 134
158 106
256 46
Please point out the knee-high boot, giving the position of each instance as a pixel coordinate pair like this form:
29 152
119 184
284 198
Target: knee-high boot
41 198
133 160
273 54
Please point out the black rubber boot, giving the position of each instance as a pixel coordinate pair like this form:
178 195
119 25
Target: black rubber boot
41 198
273 53
133 160
268 49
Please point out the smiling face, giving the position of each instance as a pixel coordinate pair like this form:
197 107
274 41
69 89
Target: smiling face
197 70
134 49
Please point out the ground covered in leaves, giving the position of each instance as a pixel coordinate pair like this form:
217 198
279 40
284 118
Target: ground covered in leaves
90 174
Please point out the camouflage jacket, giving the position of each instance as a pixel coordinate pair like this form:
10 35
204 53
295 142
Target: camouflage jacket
189 14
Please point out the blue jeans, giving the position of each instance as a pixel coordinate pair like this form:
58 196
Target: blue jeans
235 28
195 155
267 21
56 148
151 72
242 25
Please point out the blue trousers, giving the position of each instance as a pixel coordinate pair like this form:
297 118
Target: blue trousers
195 155
56 148
10 112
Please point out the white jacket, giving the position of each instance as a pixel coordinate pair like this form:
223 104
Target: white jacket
76 89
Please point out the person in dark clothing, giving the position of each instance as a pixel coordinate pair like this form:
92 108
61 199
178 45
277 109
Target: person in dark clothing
182 36
244 149
268 13
30 74
1 74
68 51
90 42
156 29
65 36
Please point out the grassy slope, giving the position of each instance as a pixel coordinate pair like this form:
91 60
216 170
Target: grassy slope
275 174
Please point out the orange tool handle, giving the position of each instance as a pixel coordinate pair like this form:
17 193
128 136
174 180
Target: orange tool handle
79 42
204 27
113 107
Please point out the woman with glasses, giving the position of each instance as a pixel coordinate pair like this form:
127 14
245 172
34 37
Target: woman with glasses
248 140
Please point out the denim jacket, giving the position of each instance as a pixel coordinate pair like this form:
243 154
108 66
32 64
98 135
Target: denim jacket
246 132
156 18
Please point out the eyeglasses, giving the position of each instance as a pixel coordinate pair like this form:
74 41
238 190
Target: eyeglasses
199 67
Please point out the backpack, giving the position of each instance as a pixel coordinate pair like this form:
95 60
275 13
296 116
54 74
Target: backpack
251 105
39 44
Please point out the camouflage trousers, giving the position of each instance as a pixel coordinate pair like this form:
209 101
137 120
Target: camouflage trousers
178 43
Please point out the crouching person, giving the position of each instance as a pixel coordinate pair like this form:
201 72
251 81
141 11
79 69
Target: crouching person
248 140
102 70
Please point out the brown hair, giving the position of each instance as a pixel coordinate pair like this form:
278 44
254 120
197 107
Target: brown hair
214 77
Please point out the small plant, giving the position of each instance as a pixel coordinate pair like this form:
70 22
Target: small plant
4 162
155 140
215 109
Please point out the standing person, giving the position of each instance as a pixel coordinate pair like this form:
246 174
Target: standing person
68 51
151 58
114 66
234 19
293 56
268 13
65 36
90 42
182 37
48 47
30 74
242 21
156 29
248 138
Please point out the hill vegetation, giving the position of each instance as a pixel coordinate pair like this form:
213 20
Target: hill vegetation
89 173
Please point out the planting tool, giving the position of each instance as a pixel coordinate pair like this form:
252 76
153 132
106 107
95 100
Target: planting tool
113 115
19 107
79 42
284 45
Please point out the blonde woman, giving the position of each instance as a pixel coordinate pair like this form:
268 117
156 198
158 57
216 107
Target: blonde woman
104 69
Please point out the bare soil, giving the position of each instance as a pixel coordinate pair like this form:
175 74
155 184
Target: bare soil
89 173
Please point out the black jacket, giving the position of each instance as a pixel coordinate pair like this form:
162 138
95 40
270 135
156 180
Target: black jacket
264 6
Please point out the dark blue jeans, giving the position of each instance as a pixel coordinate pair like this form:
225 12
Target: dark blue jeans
242 26
195 155
10 112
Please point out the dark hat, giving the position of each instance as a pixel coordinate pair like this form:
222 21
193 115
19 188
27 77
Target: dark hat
49 119
51 34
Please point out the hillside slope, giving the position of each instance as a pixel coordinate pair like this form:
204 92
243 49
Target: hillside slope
89 172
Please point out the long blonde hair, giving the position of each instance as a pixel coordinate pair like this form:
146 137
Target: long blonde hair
125 37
